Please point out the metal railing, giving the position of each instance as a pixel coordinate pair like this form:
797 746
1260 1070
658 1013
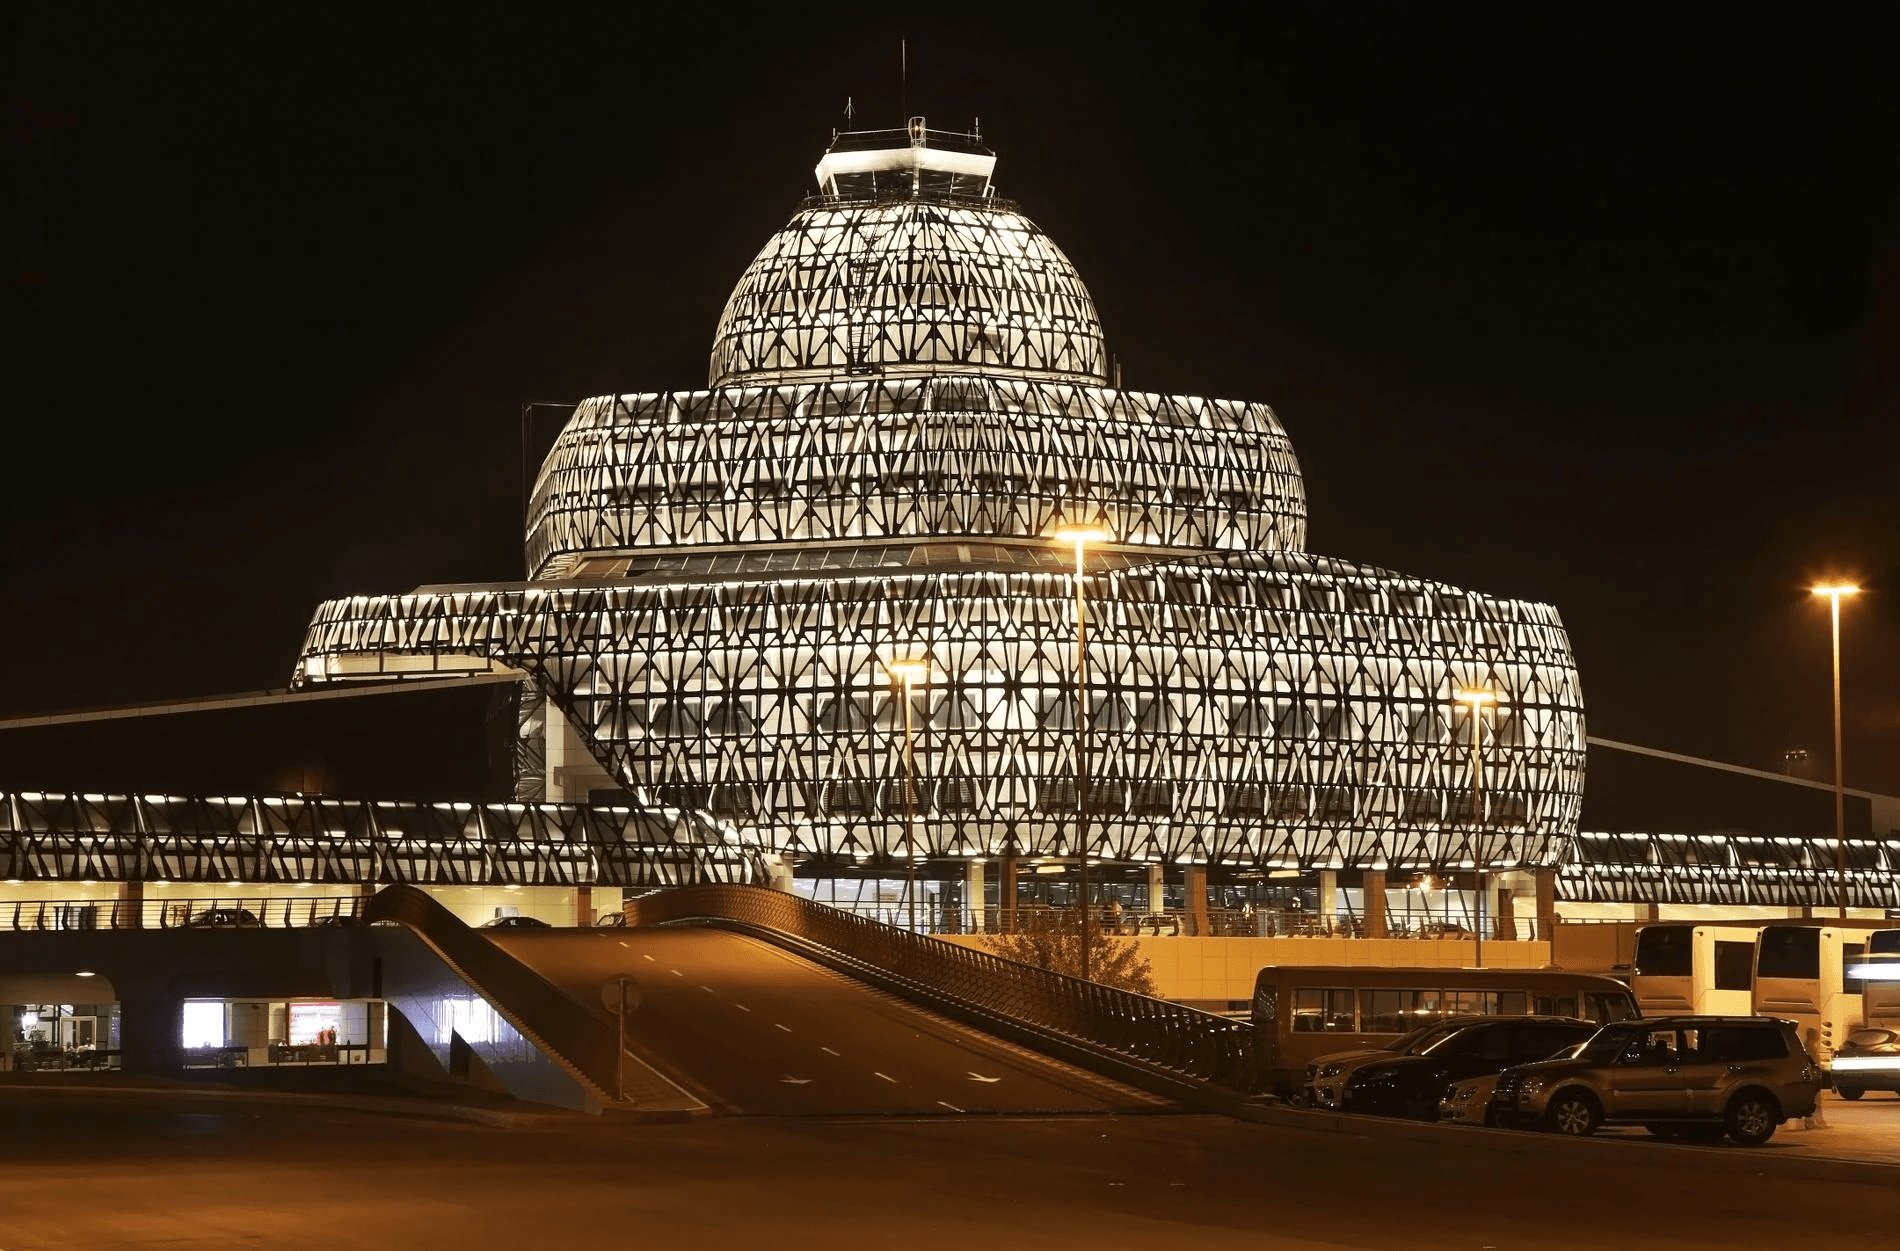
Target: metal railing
1213 923
220 912
1195 1057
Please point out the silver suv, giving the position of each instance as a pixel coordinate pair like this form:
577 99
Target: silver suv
1695 1077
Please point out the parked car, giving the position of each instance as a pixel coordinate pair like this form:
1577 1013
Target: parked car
1326 1077
1469 1102
1868 1060
516 923
1412 1086
223 919
1680 1077
336 920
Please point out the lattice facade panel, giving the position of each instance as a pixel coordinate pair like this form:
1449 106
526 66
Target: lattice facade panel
966 457
927 283
1729 869
132 838
1262 710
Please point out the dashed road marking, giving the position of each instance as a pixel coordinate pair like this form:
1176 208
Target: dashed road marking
648 959
953 1107
676 973
795 1081
978 1077
741 1007
709 990
786 1028
630 949
828 1051
886 1076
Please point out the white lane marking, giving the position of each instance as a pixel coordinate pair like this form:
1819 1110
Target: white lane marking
978 1077
709 990
786 1028
953 1107
676 973
741 1007
648 959
887 1077
795 1081
828 1051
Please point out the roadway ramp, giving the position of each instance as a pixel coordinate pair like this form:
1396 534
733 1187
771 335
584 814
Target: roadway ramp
754 1029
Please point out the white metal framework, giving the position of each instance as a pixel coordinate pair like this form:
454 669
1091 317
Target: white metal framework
909 398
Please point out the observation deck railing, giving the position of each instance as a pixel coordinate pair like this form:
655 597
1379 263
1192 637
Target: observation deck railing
218 912
1194 1057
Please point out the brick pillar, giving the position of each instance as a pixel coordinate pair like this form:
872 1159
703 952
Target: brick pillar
1195 876
1329 899
583 906
1373 889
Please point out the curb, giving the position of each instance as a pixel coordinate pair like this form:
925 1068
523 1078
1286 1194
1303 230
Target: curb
1750 1161
494 1118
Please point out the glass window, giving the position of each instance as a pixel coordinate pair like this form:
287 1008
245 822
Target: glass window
1788 951
1852 954
1734 965
1728 1044
203 1023
1665 951
1556 1005
1604 1007
1513 1002
1322 1011
1388 1011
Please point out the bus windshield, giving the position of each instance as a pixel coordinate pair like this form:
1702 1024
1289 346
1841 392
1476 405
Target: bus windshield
1789 951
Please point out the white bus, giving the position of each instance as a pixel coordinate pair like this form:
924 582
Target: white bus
1682 968
1806 974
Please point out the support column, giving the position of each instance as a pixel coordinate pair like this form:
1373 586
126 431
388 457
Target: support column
1329 898
1504 908
1157 889
1006 897
129 914
1373 888
149 1029
1546 882
973 894
583 906
1195 877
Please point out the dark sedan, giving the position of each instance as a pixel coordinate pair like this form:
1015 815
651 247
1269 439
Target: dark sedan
1410 1086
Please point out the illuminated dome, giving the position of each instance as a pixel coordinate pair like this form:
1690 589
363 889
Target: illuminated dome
905 263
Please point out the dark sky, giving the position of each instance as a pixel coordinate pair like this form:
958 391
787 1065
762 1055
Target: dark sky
1583 307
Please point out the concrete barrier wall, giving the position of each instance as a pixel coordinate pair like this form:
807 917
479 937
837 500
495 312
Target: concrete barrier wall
1224 968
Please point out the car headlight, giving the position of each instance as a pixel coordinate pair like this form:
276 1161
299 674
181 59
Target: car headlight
1331 1070
1458 1094
1531 1086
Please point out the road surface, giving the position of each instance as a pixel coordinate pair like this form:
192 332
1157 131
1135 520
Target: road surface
753 1029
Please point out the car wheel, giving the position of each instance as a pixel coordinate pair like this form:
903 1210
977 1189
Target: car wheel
1850 1093
1751 1118
1573 1113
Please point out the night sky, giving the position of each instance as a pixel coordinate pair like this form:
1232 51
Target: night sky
1581 307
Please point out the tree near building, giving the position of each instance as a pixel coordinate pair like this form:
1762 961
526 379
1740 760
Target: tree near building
1114 962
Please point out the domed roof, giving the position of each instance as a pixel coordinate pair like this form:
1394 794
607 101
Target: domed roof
906 264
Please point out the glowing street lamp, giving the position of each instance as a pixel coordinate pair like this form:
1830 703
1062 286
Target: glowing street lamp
1834 591
907 673
1477 700
1081 534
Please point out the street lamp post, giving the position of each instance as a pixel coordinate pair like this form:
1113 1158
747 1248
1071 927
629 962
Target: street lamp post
1081 535
1834 592
1477 700
907 672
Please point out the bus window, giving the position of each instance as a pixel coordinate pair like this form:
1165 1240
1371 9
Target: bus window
1884 943
1734 965
1665 951
1556 1005
1606 1008
1790 951
1317 1010
1513 1003
1852 955
1387 1011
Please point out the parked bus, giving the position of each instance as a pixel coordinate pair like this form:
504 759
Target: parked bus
1303 1012
1879 973
1808 974
1682 968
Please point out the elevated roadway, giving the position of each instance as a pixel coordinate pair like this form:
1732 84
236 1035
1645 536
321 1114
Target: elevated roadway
753 1029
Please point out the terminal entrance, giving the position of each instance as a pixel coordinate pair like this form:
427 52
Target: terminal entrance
261 1033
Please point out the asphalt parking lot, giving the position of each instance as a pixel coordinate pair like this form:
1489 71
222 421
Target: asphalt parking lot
1867 1129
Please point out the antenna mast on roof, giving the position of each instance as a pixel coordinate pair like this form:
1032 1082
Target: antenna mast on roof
903 81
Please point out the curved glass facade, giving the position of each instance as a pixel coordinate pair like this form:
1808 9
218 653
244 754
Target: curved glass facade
908 402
